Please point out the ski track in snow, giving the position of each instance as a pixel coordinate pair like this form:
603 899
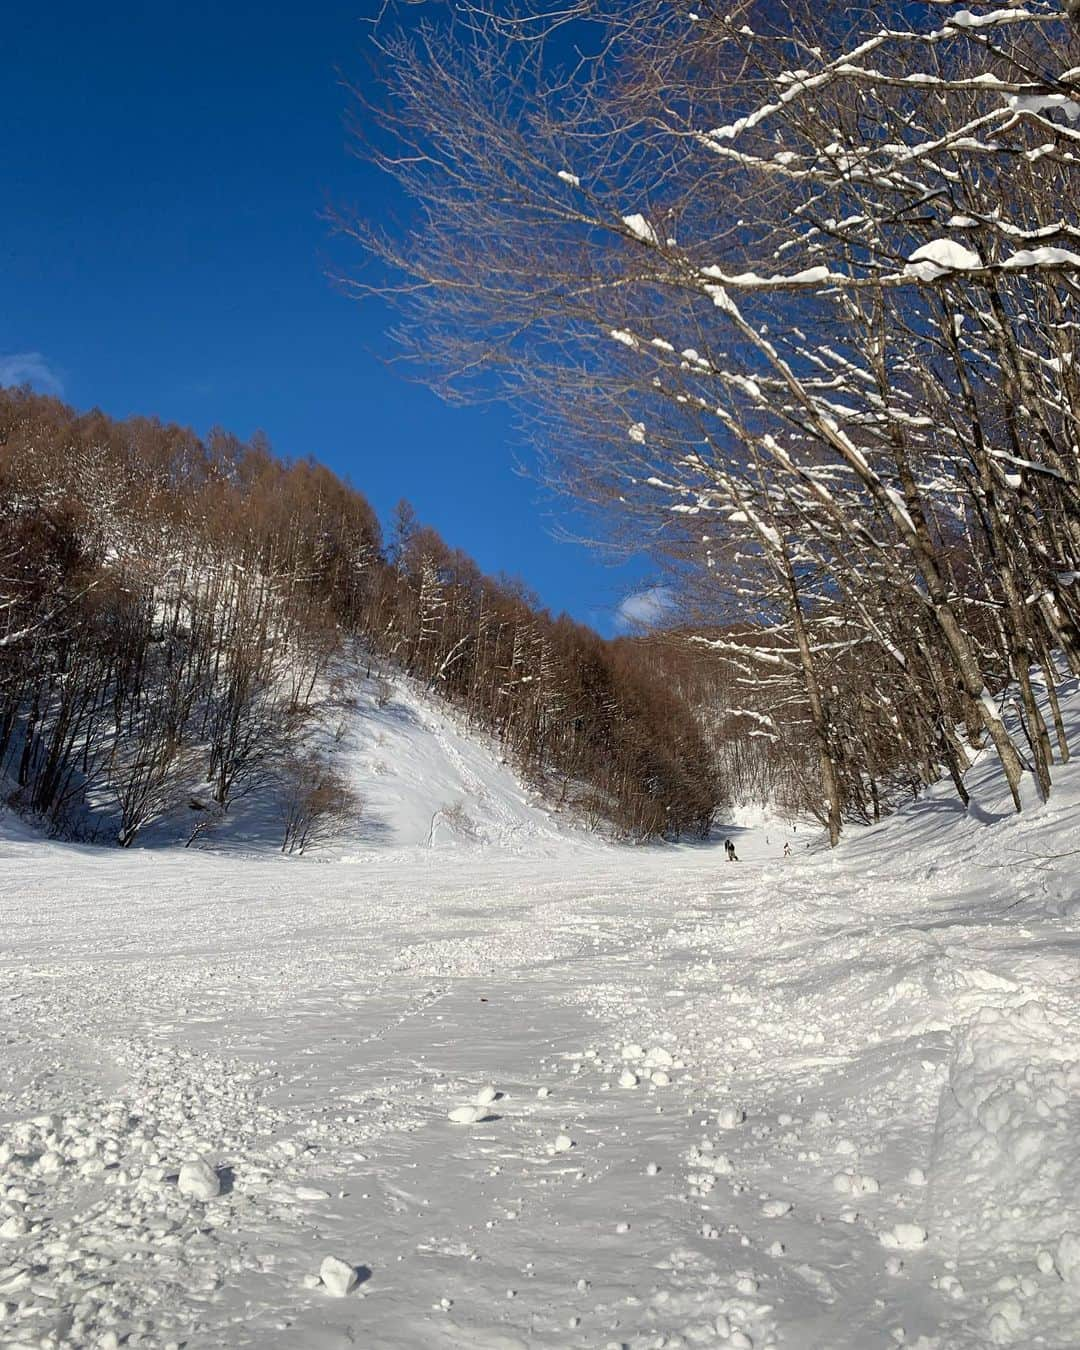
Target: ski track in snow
829 1101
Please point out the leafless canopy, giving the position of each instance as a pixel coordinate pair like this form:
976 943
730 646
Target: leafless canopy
791 290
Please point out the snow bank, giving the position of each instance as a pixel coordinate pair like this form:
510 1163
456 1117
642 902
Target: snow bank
1008 1134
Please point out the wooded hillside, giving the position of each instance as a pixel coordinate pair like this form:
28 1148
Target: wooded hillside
170 605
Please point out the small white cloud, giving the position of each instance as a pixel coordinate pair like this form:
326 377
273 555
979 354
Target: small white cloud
29 368
644 609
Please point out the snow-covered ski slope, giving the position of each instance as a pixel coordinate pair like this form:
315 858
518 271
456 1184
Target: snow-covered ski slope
824 1101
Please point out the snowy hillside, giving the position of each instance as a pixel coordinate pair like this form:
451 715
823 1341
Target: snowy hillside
421 776
634 1097
427 780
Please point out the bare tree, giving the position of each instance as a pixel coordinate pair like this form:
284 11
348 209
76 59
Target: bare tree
316 803
789 283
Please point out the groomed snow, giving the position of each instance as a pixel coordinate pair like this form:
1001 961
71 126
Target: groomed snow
854 1121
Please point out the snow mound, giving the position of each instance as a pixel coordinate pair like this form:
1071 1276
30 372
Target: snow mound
1006 1134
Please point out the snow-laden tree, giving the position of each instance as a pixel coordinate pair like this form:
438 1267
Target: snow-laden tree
793 290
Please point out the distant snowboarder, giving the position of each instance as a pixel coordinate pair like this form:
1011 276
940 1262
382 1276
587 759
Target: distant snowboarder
729 849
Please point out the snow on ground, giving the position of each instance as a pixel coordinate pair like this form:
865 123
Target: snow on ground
632 1097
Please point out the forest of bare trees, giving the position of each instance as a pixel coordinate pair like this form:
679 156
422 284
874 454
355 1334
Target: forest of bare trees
791 290
173 609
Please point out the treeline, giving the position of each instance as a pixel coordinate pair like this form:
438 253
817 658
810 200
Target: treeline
582 715
796 287
886 744
172 608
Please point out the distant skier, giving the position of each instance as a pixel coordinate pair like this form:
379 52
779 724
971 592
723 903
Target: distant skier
787 849
729 849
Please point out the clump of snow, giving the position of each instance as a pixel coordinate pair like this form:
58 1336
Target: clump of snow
466 1115
850 1183
198 1180
311 1193
1042 257
1005 1321
339 1277
1042 103
50 1163
946 255
1067 1258
906 1236
639 226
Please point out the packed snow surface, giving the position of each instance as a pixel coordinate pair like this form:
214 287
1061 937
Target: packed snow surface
460 1097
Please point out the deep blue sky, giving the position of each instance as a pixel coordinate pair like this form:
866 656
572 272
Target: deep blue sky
163 169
